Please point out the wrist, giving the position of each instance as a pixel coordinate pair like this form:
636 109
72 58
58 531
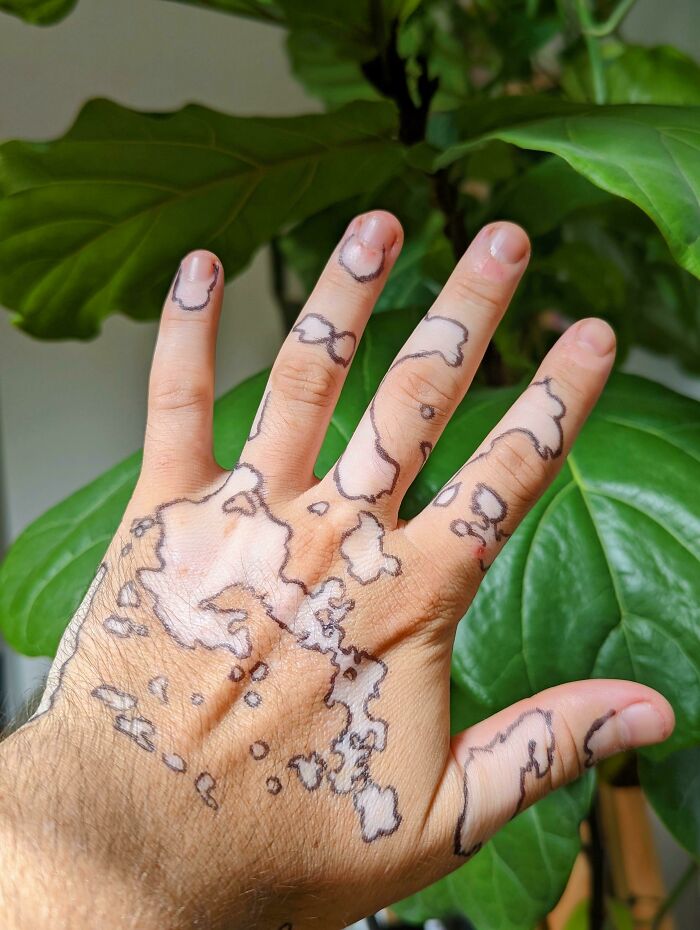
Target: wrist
58 867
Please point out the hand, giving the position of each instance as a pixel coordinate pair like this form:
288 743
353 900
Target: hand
247 722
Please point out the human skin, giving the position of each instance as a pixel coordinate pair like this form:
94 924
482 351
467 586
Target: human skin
247 722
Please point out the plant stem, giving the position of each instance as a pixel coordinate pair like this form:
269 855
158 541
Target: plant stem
387 73
675 893
612 23
596 855
600 92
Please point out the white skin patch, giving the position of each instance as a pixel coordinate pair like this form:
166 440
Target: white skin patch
438 335
377 808
123 627
447 495
141 731
320 508
241 544
362 549
526 745
174 762
315 329
68 646
544 411
259 416
204 785
491 510
252 699
259 750
114 698
128 595
194 295
310 770
158 687
259 671
369 467
363 263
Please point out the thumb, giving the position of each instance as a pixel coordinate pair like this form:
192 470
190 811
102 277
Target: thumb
509 761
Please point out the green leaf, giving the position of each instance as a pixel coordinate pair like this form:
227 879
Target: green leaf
325 74
607 559
673 787
649 155
266 10
543 196
39 12
519 875
635 74
96 222
359 30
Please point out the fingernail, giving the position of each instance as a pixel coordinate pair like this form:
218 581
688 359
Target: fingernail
376 231
363 253
641 724
509 244
197 267
195 281
595 336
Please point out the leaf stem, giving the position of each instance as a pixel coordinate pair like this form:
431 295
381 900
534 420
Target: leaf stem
675 893
612 23
600 91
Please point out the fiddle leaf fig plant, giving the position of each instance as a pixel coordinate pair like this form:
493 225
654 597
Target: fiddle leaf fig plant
451 115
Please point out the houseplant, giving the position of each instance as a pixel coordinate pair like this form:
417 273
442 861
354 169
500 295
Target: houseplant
451 115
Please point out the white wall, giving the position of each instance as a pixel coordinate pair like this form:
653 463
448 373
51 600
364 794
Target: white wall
69 410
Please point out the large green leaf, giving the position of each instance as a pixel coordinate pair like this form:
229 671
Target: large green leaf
40 12
519 875
673 787
649 155
635 74
602 577
96 222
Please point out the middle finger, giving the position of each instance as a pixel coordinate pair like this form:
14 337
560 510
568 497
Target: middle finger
432 372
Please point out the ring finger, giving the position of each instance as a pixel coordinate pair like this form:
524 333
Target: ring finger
432 372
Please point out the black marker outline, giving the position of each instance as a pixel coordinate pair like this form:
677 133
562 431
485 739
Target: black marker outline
176 300
531 765
599 722
361 278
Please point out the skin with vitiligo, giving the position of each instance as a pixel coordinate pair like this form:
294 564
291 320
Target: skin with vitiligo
267 654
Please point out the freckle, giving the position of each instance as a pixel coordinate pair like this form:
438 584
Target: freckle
252 699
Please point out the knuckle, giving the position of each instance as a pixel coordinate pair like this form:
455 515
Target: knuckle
474 289
304 380
522 467
568 384
181 395
413 389
568 765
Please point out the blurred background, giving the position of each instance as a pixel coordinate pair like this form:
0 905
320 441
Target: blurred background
69 410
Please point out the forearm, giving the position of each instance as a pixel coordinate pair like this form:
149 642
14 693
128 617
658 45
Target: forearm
58 868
